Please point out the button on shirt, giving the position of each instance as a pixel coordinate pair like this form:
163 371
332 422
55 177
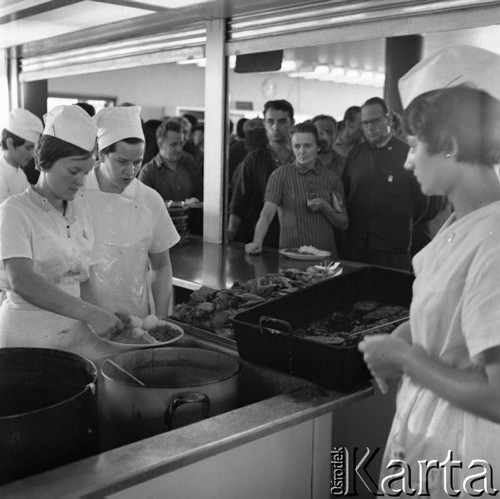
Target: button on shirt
13 180
177 184
289 187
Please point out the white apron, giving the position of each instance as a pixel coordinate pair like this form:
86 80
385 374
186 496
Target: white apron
123 232
454 316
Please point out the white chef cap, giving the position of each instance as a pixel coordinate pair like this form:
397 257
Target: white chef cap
24 124
451 66
72 124
118 123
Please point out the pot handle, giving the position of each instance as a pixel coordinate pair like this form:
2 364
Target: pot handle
185 398
271 323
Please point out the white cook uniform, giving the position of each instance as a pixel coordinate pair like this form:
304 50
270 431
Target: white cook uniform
60 247
127 228
13 180
455 316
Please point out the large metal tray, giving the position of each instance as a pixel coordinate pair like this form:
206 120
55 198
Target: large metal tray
337 367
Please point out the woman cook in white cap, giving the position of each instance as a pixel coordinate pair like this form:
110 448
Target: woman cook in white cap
446 430
18 143
133 230
46 242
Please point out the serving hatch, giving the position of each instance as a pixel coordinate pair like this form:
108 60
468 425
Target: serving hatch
284 333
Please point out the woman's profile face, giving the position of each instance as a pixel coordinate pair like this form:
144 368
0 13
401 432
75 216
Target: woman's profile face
434 172
66 177
305 148
120 167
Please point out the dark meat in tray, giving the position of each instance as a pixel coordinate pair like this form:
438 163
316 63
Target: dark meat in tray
271 334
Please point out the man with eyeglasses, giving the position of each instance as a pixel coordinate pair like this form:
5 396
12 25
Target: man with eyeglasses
383 199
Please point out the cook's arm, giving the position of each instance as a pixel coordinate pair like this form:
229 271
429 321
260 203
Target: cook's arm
265 219
474 391
232 226
161 281
403 331
38 291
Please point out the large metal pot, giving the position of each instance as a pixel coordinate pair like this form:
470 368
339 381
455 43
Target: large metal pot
48 410
181 386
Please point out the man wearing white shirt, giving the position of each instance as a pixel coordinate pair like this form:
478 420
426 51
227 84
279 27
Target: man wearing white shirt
18 144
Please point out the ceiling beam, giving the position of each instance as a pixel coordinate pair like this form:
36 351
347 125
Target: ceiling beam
32 8
136 5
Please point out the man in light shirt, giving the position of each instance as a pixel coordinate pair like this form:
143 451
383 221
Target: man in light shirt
18 143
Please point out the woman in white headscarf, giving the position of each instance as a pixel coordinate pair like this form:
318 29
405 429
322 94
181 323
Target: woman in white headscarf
45 244
447 423
131 273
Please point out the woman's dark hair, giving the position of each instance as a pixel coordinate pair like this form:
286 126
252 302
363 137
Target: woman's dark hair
16 140
112 147
463 115
49 149
307 127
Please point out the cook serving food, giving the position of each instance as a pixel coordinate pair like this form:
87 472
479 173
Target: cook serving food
132 228
46 242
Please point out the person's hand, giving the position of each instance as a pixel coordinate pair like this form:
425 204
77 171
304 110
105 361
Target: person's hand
103 323
384 356
337 202
253 248
316 204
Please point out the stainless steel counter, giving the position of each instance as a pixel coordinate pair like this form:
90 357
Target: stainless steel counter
274 402
219 266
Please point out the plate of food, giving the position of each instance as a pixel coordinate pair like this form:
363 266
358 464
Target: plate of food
305 253
144 333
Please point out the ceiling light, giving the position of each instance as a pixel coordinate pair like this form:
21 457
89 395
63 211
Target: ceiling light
321 69
289 65
170 4
337 72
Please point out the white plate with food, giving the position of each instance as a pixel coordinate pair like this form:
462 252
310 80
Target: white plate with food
144 333
305 253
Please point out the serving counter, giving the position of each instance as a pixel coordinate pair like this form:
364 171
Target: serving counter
276 444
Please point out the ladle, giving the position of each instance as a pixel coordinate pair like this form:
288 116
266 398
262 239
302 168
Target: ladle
131 376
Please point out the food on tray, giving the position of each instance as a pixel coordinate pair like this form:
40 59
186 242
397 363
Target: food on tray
341 328
308 250
213 309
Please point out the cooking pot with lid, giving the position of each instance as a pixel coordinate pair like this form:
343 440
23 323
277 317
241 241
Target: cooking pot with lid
48 410
150 391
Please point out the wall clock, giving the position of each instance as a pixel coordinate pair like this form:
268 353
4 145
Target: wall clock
269 88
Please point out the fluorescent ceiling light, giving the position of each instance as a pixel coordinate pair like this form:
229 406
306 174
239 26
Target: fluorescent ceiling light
170 4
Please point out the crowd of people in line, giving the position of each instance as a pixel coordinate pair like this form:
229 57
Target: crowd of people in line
340 187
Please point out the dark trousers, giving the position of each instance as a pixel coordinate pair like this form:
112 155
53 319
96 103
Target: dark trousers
396 260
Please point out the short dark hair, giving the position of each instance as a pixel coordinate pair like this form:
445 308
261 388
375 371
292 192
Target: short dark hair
168 126
112 147
351 113
461 115
192 119
16 140
320 117
306 127
377 100
239 127
49 149
279 105
87 107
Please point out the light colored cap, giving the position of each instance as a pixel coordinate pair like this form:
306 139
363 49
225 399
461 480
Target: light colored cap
451 66
72 124
24 124
118 123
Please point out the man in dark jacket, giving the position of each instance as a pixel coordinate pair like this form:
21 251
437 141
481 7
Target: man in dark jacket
383 199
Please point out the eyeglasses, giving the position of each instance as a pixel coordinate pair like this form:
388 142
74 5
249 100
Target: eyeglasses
374 121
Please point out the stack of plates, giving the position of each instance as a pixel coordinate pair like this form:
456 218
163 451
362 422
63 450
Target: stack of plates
178 213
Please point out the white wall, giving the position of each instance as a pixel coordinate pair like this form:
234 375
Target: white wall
161 89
